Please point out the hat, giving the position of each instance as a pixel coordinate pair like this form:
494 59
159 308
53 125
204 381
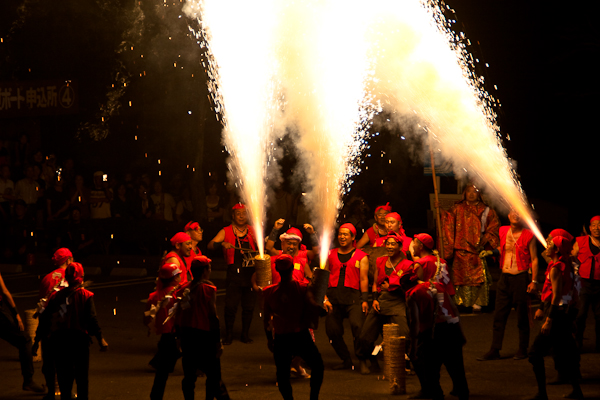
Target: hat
61 255
167 271
394 215
350 227
74 273
596 218
180 237
239 206
563 233
387 208
563 244
292 234
192 226
284 262
426 240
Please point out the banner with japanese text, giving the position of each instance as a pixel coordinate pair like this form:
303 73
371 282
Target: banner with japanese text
38 98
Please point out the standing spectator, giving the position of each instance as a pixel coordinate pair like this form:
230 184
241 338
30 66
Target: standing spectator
57 202
7 193
469 227
164 204
80 196
28 189
79 236
100 197
185 206
49 170
122 205
143 204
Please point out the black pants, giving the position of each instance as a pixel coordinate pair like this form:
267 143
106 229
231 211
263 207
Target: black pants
589 297
373 327
425 366
512 292
334 326
9 331
233 296
448 344
566 355
200 352
301 344
49 364
72 362
164 361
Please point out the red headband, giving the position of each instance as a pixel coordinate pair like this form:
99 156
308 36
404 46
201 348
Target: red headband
192 226
202 260
563 244
61 255
563 233
387 208
168 271
394 215
292 234
239 206
395 236
284 262
74 273
180 237
350 227
426 240
596 218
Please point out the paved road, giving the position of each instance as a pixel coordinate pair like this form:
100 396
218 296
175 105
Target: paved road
248 370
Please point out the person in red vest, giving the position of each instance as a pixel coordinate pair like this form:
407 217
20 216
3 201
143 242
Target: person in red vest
378 229
287 305
518 256
195 232
557 298
68 321
389 306
347 293
393 223
587 251
238 242
199 331
52 282
428 266
182 248
157 310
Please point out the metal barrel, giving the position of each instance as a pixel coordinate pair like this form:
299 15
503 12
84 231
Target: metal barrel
262 265
319 284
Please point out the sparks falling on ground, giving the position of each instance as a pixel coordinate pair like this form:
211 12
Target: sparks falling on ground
321 68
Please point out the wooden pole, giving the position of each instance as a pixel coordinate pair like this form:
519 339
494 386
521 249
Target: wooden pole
437 209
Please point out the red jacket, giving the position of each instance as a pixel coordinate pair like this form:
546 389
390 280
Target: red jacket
198 315
394 278
231 238
287 305
352 269
162 314
587 259
423 297
373 236
52 282
521 248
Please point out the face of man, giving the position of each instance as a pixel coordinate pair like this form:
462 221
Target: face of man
185 248
196 234
472 194
595 229
290 246
392 247
514 217
417 246
240 217
391 224
380 217
345 237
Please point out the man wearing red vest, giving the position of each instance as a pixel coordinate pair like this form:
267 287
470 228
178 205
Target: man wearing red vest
182 247
518 255
200 334
393 223
288 305
238 242
347 293
587 251
428 266
557 298
389 306
378 229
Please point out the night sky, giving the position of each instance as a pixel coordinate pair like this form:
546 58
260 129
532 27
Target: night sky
540 55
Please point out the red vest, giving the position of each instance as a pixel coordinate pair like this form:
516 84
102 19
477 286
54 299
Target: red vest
197 315
300 262
183 266
373 236
587 259
231 238
405 243
567 294
73 317
429 265
352 269
423 297
153 300
394 278
521 248
54 281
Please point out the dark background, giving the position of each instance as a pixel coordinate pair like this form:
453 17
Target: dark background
540 56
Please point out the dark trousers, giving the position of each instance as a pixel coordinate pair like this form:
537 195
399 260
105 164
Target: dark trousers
48 365
334 326
72 362
425 366
9 331
301 344
566 355
589 297
373 327
448 350
200 352
164 361
233 296
512 292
